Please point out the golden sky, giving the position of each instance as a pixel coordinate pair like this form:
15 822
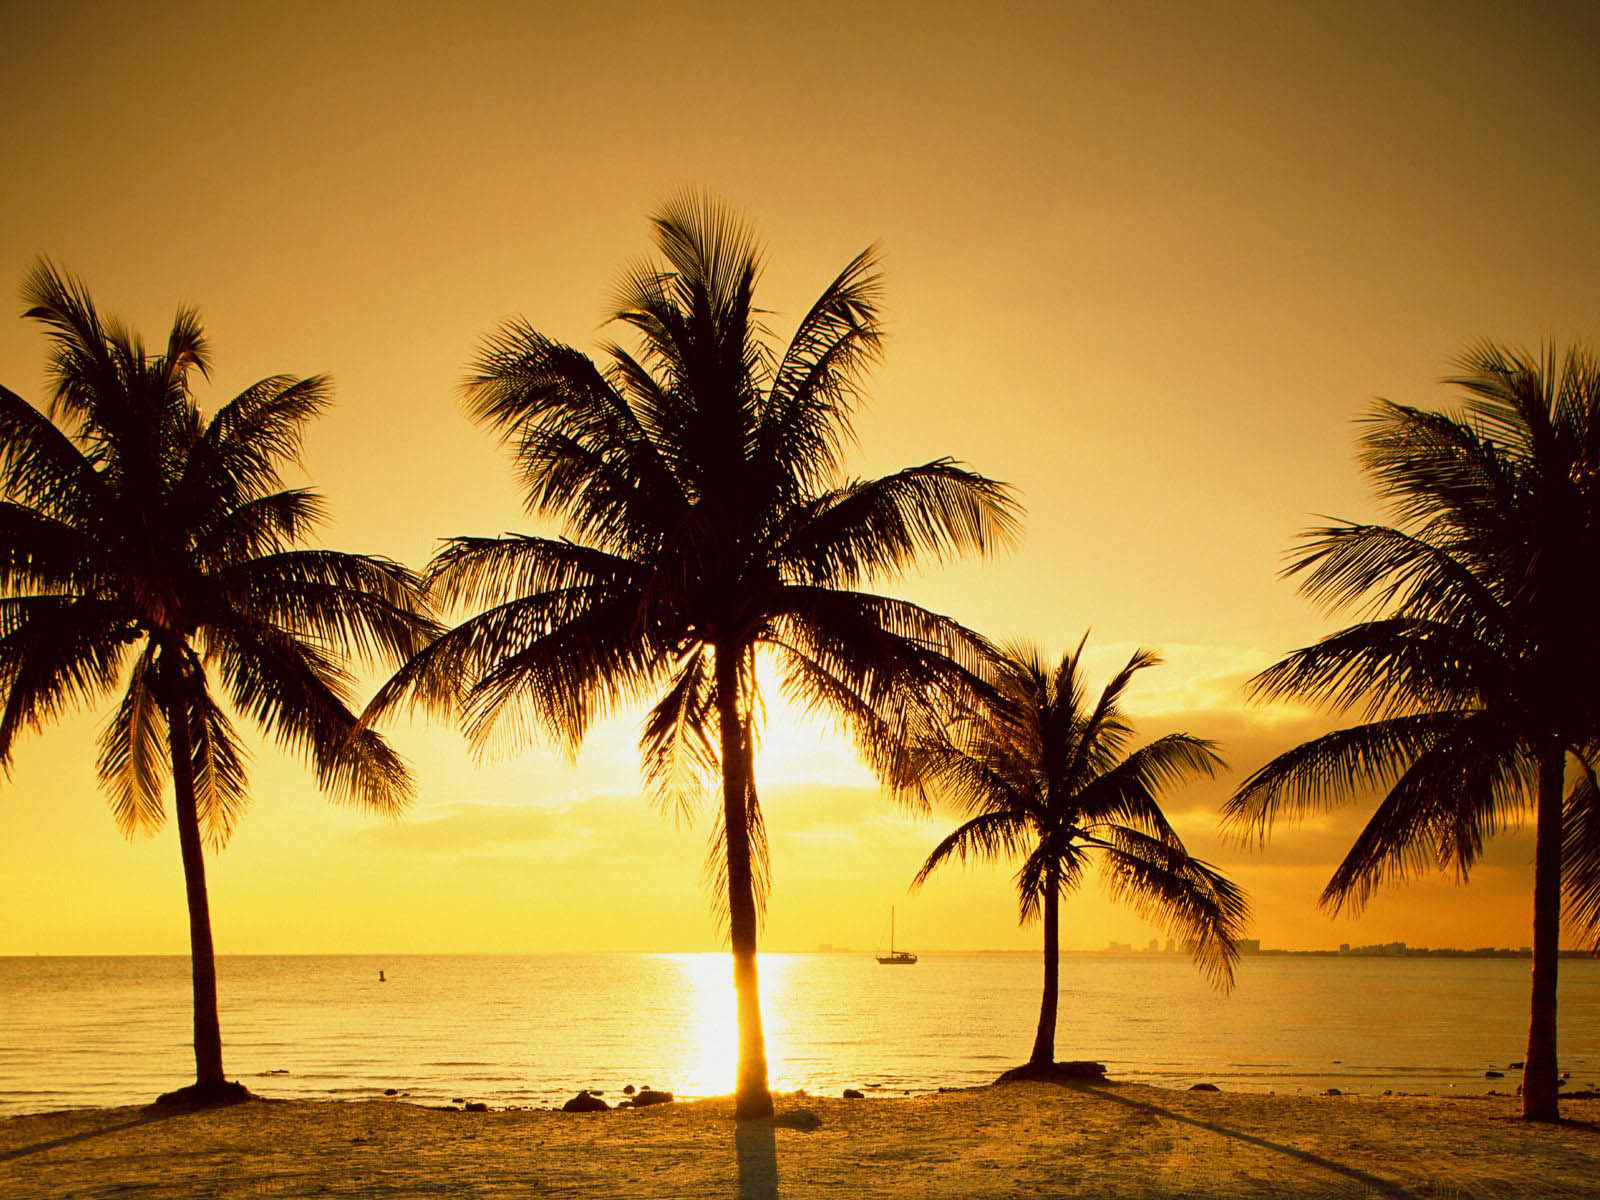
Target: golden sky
1145 261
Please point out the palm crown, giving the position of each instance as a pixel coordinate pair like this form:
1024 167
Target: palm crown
132 527
1045 775
1476 670
699 482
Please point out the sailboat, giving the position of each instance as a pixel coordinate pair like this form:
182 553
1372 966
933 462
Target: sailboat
895 958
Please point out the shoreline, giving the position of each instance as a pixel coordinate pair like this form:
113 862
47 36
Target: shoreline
1353 1082
1018 1138
1300 1086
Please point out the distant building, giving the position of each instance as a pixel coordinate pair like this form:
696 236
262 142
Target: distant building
1376 950
1155 946
1119 947
1249 945
1171 949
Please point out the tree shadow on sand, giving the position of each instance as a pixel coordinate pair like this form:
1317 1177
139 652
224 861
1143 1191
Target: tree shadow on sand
146 1116
756 1149
1373 1184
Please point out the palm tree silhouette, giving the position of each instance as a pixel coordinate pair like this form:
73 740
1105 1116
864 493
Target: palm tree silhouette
132 528
700 485
1477 672
1045 776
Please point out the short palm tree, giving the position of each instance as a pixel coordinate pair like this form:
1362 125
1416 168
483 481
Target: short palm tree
145 548
1478 671
1046 776
707 519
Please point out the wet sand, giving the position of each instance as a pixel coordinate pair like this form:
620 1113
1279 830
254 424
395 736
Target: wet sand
1026 1139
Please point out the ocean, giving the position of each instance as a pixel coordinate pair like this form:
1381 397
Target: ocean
531 1030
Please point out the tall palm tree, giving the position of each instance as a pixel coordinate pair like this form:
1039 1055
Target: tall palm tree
1478 671
1045 776
707 519
147 548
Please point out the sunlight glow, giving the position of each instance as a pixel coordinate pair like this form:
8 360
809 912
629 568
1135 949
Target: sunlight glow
799 748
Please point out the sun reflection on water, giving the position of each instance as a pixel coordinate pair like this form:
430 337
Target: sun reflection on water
712 1012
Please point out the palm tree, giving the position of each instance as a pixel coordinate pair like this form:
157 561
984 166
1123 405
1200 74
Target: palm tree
145 547
1476 673
1044 776
707 520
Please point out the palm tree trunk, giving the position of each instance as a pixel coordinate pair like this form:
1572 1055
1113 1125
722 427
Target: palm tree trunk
1044 1043
1539 1067
751 1097
202 959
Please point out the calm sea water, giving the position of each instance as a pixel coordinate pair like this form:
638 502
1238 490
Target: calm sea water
531 1030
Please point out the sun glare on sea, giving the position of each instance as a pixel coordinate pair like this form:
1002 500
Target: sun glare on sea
714 1020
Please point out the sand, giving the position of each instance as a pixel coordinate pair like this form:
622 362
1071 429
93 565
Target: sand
1026 1139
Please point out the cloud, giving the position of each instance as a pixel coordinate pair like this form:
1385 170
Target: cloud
456 827
821 808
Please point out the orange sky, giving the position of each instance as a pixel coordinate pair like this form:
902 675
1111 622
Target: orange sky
1146 262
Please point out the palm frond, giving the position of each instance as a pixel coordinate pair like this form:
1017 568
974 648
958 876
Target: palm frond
302 697
805 419
41 554
1471 781
1512 395
1432 466
363 605
711 249
55 650
479 571
553 663
582 452
86 373
218 759
133 763
974 771
268 524
1095 741
875 527
885 667
677 748
1581 850
238 456
1577 409
986 837
1386 569
1580 854
1385 667
1335 769
1128 793
41 467
188 349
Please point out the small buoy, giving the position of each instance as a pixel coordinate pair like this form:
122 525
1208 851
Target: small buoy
381 979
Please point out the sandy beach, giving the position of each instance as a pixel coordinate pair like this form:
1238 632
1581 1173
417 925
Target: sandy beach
1023 1139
